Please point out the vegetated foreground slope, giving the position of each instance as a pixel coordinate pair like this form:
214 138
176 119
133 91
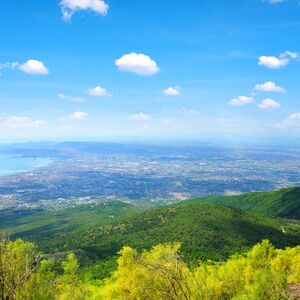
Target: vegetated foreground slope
283 203
158 274
206 231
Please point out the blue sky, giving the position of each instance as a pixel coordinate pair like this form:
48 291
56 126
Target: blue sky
93 69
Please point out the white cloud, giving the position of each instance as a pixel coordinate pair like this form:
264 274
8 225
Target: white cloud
10 65
71 98
291 121
20 122
137 63
290 54
69 7
79 116
6 65
269 87
269 104
98 91
172 91
294 117
273 62
31 66
34 67
76 116
241 100
140 117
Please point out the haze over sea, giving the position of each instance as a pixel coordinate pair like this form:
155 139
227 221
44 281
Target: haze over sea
11 163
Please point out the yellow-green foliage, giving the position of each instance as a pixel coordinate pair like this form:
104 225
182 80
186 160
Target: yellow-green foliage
262 273
156 274
17 263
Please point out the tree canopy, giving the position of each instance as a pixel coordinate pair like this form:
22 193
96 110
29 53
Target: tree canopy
160 273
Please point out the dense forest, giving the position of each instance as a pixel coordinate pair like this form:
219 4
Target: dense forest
284 203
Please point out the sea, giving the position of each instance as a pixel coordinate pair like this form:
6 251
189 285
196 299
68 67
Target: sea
11 164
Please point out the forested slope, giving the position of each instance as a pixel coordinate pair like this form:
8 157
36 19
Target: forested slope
206 231
283 203
43 226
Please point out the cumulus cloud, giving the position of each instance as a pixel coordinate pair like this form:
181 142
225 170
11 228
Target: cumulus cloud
292 120
79 116
294 117
34 67
273 62
76 116
71 98
269 104
241 101
172 91
69 7
269 87
140 64
31 66
98 91
20 122
140 117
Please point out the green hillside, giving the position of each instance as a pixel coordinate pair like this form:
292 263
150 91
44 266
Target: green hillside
42 226
206 231
284 203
